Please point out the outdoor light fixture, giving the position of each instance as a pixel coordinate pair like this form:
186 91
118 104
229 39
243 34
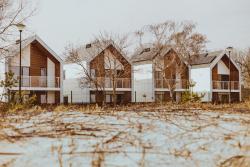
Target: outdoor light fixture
20 27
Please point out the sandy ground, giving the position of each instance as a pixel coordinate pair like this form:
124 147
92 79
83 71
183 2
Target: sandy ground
73 139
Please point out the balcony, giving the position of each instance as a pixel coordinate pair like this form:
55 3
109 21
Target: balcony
225 85
171 83
108 83
39 81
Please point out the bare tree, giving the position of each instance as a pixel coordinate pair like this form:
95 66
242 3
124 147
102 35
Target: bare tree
12 13
182 38
243 59
102 62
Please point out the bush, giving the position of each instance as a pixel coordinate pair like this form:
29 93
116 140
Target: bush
15 105
191 97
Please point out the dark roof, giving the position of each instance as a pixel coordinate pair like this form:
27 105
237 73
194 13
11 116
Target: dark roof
205 58
89 51
145 54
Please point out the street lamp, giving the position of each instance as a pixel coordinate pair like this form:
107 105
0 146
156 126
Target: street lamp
229 49
20 28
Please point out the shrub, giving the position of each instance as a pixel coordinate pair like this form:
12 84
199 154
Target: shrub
191 97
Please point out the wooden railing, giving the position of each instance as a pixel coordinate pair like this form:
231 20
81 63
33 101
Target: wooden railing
171 83
225 85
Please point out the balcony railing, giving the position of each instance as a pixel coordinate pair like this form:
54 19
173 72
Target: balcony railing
108 83
171 83
39 81
225 85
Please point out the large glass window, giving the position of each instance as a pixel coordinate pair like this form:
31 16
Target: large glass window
26 71
43 72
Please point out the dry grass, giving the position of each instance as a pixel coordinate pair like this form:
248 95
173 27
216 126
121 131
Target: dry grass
112 140
149 107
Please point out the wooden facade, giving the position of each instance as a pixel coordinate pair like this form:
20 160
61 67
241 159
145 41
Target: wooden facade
36 80
98 65
223 96
39 59
173 66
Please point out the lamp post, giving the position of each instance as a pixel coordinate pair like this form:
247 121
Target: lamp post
20 28
230 49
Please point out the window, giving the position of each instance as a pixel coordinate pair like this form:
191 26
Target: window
92 73
108 98
92 98
43 98
119 72
64 74
224 77
25 71
158 75
43 72
43 79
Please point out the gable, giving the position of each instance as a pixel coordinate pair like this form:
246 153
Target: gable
111 62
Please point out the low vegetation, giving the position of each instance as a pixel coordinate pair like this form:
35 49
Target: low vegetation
135 135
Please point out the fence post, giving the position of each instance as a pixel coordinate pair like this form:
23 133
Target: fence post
135 96
71 93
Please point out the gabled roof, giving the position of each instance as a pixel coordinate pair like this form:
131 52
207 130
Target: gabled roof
14 49
210 59
95 48
149 55
205 58
146 54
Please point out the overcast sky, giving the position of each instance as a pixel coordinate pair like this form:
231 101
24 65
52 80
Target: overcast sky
57 22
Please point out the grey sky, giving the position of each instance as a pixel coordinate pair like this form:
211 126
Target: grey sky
225 22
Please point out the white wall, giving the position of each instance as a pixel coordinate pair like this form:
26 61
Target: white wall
201 77
73 73
143 83
25 58
79 95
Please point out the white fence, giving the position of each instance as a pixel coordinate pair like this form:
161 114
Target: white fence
76 97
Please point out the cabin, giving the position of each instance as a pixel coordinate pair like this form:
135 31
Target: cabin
41 71
109 71
216 76
166 77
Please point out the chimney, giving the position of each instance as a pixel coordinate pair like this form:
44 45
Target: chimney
88 46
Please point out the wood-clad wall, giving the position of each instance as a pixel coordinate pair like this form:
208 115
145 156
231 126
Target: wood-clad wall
38 60
172 56
234 71
98 64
